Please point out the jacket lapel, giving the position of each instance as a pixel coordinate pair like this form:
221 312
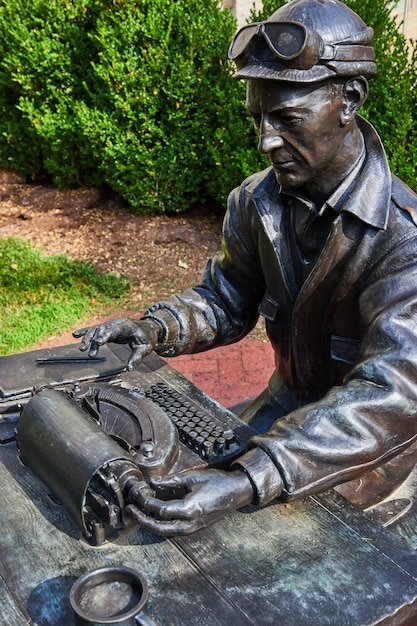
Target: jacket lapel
267 200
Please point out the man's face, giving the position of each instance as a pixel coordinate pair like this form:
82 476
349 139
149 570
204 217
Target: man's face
299 129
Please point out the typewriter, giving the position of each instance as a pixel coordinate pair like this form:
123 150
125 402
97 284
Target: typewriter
94 433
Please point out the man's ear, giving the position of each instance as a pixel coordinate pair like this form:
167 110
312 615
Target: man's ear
355 91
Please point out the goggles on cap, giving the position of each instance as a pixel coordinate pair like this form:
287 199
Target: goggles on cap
295 45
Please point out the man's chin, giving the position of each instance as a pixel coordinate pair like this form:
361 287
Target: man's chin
288 179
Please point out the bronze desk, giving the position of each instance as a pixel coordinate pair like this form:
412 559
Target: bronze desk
316 562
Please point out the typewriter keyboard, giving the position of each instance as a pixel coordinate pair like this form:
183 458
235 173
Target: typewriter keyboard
202 433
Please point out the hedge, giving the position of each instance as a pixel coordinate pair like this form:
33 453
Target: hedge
138 95
135 94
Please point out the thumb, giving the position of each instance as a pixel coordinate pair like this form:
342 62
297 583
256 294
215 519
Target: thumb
138 353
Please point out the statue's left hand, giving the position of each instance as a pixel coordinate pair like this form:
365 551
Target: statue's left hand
209 495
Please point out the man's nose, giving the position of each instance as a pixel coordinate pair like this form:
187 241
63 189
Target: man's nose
269 136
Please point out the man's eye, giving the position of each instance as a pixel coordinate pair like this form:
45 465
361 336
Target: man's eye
291 120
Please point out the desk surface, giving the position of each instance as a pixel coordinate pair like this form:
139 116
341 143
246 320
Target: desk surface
315 562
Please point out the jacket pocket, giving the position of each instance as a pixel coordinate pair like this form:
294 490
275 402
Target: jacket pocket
269 308
271 311
344 349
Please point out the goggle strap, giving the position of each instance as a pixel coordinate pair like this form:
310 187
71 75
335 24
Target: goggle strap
334 52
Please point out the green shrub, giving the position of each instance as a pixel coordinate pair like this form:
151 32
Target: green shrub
138 95
131 93
41 295
392 102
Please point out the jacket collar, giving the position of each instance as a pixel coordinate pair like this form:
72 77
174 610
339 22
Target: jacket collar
371 195
370 200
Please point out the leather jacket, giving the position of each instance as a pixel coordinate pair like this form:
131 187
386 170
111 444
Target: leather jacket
345 343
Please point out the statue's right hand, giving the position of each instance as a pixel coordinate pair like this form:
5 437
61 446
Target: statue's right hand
141 335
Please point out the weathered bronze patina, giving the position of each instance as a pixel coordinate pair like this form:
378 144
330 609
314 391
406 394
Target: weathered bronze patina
323 245
95 434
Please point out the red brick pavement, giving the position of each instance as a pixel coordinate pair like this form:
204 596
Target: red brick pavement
230 374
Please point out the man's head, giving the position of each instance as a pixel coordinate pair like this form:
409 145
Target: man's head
305 41
308 132
307 68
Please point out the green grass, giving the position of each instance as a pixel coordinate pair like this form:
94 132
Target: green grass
43 295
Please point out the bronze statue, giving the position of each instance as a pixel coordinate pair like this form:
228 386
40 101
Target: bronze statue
323 245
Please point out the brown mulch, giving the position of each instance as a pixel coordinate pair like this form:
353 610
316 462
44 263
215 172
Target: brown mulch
160 254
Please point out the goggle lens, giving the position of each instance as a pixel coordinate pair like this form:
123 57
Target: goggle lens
287 40
242 40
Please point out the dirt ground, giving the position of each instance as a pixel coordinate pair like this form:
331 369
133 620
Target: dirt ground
161 255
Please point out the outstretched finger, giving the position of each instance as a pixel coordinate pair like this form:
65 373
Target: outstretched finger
80 332
168 528
172 481
94 338
140 492
88 337
166 509
94 348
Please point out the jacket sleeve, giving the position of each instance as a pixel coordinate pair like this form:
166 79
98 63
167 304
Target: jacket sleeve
223 308
372 416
